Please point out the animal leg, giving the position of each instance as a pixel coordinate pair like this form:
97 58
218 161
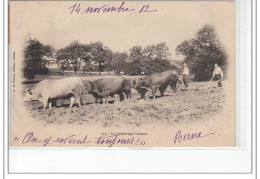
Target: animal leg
72 101
142 92
128 94
161 91
50 104
54 101
106 99
142 95
154 89
78 99
121 96
45 102
174 88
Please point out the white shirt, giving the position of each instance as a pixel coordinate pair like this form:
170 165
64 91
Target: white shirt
218 71
185 71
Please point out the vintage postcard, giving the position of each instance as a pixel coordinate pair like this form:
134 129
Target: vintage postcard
135 74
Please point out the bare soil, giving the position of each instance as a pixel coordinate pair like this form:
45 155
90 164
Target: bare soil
187 105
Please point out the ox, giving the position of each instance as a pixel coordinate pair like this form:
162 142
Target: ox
157 81
105 87
47 91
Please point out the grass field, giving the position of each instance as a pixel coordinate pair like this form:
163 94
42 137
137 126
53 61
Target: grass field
185 106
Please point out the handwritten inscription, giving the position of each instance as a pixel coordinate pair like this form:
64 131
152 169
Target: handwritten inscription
71 140
103 139
106 8
179 137
109 141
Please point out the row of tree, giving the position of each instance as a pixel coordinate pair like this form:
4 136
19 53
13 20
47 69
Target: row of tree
151 59
95 57
200 53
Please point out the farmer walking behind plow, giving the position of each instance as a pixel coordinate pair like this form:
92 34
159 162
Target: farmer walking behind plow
185 74
217 75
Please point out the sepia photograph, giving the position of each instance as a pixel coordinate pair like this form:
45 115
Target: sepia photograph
122 74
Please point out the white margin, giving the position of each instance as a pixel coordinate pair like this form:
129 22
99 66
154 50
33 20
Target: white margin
95 160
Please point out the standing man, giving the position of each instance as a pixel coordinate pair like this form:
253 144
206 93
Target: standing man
218 75
185 74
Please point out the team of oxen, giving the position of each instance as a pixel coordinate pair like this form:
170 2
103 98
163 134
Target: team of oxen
72 88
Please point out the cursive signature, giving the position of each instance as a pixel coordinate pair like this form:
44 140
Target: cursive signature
179 137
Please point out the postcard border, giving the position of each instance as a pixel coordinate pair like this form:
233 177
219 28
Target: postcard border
8 101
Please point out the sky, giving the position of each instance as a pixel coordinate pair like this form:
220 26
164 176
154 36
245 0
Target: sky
173 22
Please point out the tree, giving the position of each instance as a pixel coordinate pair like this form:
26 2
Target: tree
117 63
136 53
72 56
98 54
151 59
159 51
202 52
34 58
89 67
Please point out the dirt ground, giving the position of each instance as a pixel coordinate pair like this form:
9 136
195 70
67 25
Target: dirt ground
185 106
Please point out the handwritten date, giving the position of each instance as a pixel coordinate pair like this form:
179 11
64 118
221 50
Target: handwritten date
77 8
